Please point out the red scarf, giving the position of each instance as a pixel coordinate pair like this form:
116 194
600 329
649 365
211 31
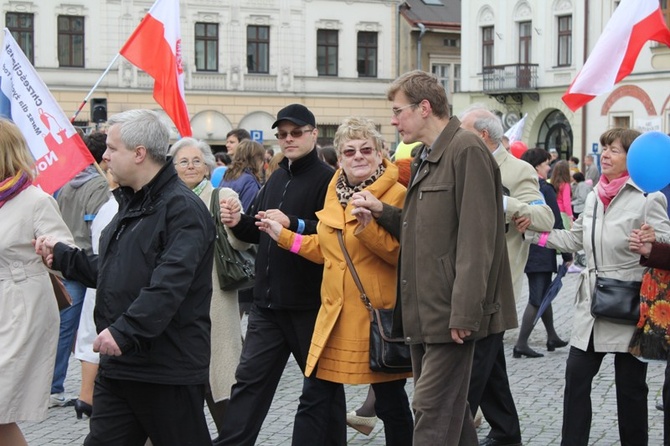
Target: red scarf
607 189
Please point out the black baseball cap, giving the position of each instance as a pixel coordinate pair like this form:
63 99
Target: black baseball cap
297 114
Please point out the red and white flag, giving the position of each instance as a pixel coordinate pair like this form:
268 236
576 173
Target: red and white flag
57 148
155 47
633 23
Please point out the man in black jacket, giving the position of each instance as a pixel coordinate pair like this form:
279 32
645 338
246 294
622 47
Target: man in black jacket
154 285
287 288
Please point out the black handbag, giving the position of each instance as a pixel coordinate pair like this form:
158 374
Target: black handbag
387 354
236 269
613 300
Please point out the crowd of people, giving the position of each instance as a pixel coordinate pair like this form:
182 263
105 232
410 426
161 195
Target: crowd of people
442 238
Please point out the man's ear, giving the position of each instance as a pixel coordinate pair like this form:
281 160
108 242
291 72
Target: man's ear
140 154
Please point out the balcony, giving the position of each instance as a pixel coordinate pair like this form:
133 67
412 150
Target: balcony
515 80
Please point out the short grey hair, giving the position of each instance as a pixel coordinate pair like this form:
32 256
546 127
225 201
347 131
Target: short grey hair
485 119
142 127
205 149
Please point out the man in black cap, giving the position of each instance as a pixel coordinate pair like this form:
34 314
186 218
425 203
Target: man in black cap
287 288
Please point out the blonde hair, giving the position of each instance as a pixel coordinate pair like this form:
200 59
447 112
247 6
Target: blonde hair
357 128
14 154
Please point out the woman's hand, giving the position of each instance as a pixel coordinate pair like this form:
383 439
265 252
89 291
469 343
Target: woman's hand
270 227
521 223
276 215
640 240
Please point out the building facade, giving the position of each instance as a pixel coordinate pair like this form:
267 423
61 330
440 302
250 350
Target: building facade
244 60
522 56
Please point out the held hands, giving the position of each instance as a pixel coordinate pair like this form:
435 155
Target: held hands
230 211
44 246
521 223
366 206
276 215
640 240
105 344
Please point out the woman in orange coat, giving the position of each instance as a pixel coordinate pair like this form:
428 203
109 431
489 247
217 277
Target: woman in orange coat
339 353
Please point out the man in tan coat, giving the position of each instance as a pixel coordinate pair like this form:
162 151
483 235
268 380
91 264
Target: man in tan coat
454 280
489 385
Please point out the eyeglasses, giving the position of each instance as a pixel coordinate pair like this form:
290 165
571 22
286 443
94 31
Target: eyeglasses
397 110
197 162
295 133
365 151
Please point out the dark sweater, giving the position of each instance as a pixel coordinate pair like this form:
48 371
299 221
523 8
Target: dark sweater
284 280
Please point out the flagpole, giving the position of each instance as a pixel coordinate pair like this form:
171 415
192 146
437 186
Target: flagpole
94 87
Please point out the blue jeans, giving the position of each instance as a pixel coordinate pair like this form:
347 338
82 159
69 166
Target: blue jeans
69 322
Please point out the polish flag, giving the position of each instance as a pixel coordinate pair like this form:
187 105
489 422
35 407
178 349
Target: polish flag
155 47
633 23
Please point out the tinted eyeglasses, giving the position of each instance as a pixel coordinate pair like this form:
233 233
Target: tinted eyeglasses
365 151
295 133
184 163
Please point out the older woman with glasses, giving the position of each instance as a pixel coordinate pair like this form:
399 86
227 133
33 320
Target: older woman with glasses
194 162
339 352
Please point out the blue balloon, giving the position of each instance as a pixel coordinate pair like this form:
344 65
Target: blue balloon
217 175
648 161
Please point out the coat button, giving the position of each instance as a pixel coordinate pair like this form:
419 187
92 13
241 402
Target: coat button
404 224
408 339
342 265
404 282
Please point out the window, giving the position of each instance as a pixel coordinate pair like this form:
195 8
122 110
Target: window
487 46
457 78
21 27
565 41
70 41
666 11
453 42
258 49
441 71
367 54
525 41
207 46
326 52
621 121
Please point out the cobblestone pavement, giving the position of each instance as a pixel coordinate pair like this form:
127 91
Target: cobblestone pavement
537 385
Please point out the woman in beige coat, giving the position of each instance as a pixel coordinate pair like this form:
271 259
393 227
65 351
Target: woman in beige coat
620 207
194 162
29 317
339 353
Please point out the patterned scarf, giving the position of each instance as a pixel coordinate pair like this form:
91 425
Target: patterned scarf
10 187
200 187
607 189
345 191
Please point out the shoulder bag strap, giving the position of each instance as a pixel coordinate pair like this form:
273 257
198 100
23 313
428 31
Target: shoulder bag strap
593 235
364 297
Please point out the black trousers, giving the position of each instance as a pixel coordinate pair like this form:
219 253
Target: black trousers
391 406
489 389
630 376
272 335
126 413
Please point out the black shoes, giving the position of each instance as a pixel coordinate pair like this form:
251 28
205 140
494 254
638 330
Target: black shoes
82 408
488 441
553 345
517 353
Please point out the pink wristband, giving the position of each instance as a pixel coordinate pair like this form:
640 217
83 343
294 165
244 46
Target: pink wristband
543 239
297 241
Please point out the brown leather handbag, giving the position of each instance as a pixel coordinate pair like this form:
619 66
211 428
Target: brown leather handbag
62 296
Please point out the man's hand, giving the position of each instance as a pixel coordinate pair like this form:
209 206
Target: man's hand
231 211
270 227
364 202
459 334
44 246
105 344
